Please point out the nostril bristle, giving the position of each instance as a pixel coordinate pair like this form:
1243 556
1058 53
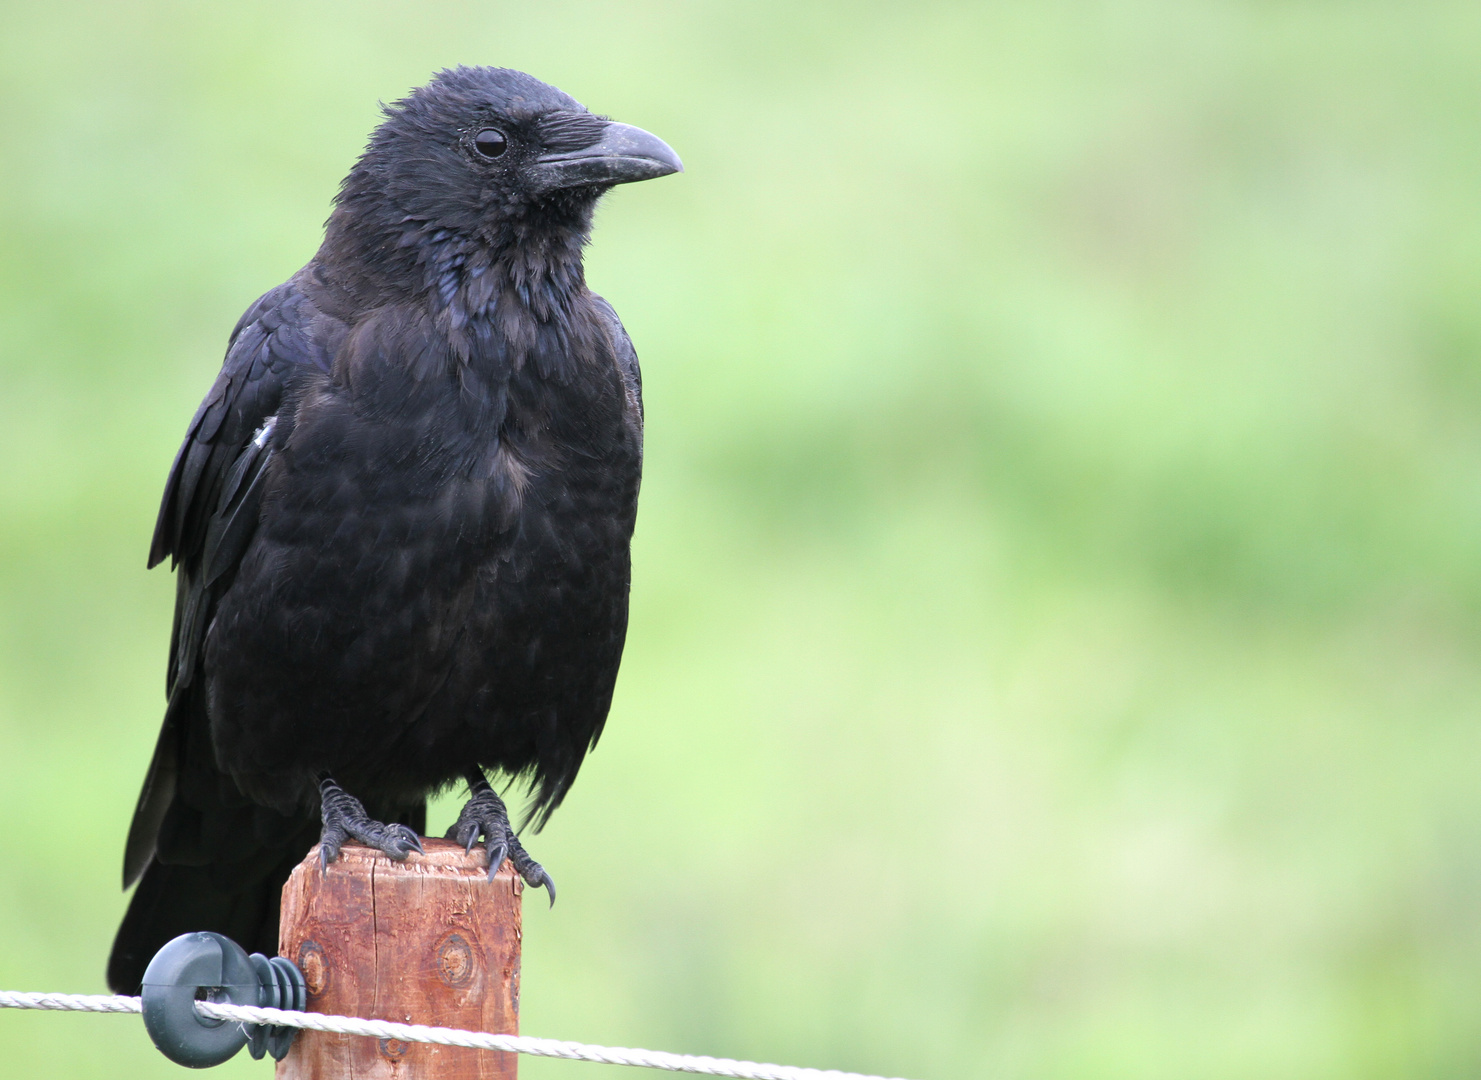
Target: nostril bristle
564 131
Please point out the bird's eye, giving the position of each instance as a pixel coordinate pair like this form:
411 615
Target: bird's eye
490 143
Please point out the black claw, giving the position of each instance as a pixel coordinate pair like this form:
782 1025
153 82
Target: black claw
498 851
543 879
344 817
536 878
527 868
484 816
330 841
403 840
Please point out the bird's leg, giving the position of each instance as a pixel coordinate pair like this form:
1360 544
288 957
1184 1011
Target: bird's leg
484 815
345 817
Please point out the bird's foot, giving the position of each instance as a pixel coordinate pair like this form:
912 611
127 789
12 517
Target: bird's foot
484 815
345 818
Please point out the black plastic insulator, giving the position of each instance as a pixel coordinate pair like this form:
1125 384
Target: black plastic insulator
211 967
282 987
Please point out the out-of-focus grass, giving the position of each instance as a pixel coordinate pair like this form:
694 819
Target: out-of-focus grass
1058 584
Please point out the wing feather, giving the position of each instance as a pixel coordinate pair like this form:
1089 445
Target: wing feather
207 518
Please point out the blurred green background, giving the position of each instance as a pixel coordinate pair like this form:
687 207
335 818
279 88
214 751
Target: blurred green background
1056 638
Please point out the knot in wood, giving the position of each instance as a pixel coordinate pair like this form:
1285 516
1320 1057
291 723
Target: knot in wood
456 962
315 970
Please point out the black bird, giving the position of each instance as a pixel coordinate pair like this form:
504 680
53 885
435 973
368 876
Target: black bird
400 520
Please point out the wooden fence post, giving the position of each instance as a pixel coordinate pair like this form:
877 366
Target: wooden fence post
425 941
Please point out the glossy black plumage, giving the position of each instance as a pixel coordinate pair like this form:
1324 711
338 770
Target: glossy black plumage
400 519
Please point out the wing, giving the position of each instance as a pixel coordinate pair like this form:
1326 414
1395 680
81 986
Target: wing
209 513
632 377
627 356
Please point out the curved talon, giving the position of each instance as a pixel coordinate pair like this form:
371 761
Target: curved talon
464 833
400 841
527 868
330 841
498 851
537 877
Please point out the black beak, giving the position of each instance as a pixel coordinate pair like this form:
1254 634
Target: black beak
622 155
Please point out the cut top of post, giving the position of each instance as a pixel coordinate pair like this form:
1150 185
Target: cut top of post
427 941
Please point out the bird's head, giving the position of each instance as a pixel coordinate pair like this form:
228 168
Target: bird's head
492 155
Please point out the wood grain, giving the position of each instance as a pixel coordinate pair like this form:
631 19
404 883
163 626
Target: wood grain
427 941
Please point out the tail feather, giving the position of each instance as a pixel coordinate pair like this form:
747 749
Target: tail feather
239 899
175 900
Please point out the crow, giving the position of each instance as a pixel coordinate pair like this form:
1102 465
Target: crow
400 520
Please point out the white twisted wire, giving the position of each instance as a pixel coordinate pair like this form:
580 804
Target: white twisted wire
476 1040
105 1003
